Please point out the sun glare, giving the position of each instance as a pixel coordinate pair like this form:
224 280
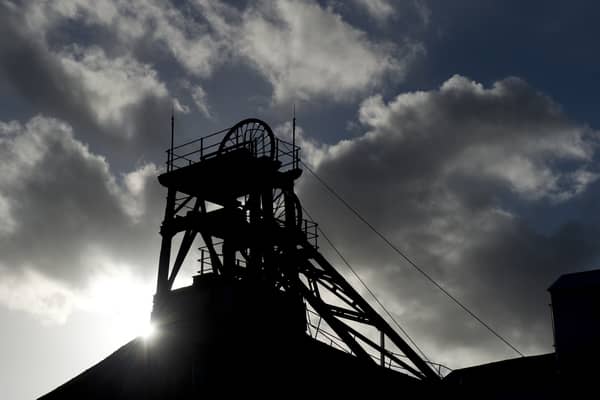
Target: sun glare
125 303
148 331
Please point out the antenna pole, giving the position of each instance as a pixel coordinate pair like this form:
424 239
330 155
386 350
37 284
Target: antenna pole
172 139
294 155
294 126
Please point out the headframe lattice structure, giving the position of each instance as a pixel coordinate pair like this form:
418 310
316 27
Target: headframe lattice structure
235 189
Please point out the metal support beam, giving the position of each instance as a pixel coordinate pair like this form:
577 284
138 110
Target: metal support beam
162 281
341 329
184 248
372 315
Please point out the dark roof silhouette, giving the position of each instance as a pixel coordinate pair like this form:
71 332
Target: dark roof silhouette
175 367
577 280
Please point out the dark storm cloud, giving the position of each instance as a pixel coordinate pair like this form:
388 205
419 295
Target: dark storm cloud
442 173
36 74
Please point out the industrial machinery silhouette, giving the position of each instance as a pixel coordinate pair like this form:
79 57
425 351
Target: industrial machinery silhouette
249 175
263 293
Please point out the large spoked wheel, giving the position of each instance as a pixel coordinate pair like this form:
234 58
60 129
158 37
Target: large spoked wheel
286 208
252 134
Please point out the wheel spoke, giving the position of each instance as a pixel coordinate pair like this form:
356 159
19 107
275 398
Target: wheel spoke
253 134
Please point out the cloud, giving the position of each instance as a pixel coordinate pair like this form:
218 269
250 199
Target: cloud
67 211
449 174
445 174
116 83
111 86
180 107
378 9
30 291
157 22
288 40
199 98
306 51
106 93
313 151
508 134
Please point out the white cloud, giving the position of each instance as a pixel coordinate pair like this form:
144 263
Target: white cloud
378 9
134 197
508 132
384 12
111 85
312 151
305 50
8 128
180 107
156 21
105 92
301 48
199 97
36 294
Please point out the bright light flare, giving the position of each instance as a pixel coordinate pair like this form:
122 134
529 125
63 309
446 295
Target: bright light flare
148 331
124 302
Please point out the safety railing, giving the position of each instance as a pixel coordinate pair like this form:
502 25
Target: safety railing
287 153
311 232
206 261
308 227
209 146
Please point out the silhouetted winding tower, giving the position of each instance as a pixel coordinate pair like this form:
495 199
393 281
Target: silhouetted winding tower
264 293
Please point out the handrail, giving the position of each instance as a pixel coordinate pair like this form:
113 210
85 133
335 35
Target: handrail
201 138
206 262
209 146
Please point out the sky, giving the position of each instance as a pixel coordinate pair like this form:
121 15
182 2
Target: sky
465 131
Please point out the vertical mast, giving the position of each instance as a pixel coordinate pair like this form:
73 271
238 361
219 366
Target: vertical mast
170 166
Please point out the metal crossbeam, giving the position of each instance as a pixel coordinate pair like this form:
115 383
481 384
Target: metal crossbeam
361 310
